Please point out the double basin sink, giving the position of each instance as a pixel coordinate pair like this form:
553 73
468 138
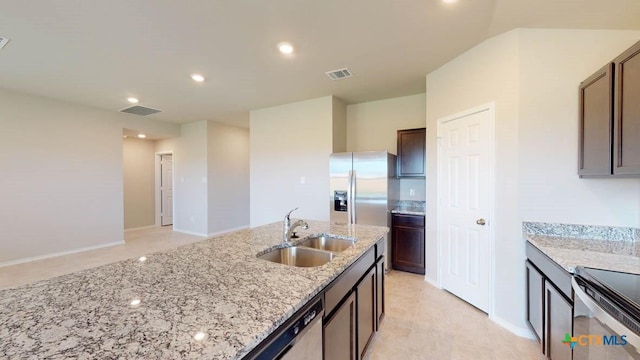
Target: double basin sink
312 251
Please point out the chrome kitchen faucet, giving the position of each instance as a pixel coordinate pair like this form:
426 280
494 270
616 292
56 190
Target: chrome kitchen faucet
288 227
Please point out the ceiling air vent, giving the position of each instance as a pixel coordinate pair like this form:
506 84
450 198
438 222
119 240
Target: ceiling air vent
3 41
339 74
140 110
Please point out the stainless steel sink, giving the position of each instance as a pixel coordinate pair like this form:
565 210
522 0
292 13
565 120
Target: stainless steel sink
327 243
298 256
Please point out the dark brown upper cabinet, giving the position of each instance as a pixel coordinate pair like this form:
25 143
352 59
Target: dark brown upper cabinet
411 153
609 137
596 124
626 154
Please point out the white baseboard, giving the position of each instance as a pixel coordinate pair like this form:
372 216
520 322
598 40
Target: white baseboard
213 233
524 332
189 232
140 228
61 253
217 233
432 282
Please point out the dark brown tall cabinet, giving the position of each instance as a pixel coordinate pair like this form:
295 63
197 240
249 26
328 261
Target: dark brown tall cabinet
609 134
411 153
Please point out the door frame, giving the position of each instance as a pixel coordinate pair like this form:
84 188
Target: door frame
158 192
490 107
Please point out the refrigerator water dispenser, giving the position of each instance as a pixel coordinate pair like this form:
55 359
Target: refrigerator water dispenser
340 200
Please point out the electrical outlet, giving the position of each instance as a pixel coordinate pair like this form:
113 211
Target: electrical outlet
412 192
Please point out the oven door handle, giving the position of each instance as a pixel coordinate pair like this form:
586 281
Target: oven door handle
604 317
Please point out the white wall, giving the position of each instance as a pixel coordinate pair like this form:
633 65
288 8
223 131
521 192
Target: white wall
139 182
374 125
290 142
553 63
211 177
190 178
485 73
339 125
533 76
228 179
61 187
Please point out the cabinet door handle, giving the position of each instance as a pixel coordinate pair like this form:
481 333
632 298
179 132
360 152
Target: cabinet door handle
481 222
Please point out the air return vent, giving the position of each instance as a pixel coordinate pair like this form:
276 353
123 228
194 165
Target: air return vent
140 110
3 41
339 74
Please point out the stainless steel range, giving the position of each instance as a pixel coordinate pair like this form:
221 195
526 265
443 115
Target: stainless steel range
606 323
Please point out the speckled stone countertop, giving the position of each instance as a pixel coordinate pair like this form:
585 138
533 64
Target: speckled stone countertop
602 247
410 207
217 287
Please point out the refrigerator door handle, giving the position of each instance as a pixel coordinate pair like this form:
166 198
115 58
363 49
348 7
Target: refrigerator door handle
352 183
349 203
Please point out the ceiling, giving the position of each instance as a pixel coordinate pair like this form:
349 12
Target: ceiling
98 53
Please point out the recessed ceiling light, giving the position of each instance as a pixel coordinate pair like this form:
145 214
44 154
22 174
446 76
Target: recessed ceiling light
285 48
449 1
142 136
199 336
142 258
135 302
133 100
197 77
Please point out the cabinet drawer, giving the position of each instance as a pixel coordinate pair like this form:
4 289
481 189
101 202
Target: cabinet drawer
408 220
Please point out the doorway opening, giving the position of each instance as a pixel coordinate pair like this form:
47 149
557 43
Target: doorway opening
164 189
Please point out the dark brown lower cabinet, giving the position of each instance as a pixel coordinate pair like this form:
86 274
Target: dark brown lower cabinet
559 321
535 301
408 243
366 302
340 332
549 303
379 292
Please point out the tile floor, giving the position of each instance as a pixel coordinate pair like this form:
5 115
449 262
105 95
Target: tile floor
137 243
424 322
421 321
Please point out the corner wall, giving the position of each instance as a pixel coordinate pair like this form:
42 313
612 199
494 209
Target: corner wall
553 63
139 182
533 77
373 125
61 188
486 73
228 178
290 147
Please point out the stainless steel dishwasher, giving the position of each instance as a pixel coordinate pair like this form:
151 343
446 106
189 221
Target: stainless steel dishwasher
299 338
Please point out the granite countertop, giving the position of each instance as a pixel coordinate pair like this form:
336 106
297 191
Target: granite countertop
216 287
601 247
409 207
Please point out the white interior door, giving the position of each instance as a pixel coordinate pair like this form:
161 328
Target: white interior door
166 189
464 192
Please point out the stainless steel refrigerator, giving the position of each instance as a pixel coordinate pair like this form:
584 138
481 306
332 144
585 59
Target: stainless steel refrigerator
364 188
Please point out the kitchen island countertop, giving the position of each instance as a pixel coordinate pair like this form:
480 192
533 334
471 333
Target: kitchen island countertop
217 287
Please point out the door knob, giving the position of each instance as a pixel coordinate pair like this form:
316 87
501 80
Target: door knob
481 222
